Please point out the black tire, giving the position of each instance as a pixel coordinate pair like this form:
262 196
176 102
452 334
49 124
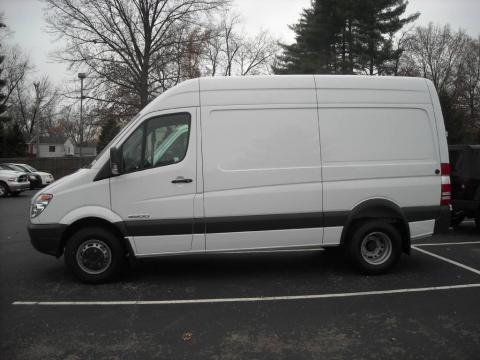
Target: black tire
14 193
103 247
375 232
3 189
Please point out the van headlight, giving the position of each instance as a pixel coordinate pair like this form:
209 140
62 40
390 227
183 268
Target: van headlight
39 204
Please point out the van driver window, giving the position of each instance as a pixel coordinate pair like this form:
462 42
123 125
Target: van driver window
165 142
132 151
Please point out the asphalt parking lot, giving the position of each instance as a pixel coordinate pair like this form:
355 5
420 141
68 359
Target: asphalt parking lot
289 305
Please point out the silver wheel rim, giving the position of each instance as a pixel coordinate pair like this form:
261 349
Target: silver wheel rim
94 256
376 248
2 190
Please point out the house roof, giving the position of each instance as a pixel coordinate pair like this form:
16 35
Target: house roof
52 139
58 140
48 140
87 144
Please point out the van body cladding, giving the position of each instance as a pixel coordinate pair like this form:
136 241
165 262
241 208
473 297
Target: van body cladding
231 224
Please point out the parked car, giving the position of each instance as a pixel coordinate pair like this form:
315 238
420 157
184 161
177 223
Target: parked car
35 180
12 182
45 178
465 163
258 163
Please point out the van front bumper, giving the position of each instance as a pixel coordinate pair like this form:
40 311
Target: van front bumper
47 238
443 219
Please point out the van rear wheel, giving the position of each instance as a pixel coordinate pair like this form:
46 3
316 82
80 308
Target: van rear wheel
94 255
375 247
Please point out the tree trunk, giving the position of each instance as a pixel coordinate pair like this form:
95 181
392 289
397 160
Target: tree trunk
350 46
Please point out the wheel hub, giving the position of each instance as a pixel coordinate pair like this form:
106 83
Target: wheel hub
94 256
376 248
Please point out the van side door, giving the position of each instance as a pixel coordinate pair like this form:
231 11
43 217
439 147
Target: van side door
155 193
262 177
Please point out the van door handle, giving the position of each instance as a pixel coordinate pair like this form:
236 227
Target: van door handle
181 180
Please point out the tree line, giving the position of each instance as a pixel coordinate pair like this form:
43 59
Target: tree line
133 50
375 37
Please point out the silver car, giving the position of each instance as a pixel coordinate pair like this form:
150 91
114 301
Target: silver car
43 177
13 182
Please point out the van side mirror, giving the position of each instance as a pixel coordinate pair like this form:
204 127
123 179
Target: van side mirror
115 161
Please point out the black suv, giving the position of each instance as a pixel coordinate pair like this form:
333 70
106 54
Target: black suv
465 178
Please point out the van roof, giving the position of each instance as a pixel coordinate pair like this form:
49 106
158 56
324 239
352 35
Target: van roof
291 89
319 81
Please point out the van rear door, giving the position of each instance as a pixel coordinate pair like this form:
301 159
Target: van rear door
379 141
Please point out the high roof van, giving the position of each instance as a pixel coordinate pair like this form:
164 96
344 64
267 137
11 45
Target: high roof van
219 165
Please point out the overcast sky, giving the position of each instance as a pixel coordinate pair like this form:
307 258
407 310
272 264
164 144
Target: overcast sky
25 19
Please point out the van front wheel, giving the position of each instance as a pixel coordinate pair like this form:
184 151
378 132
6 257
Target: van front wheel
94 255
375 247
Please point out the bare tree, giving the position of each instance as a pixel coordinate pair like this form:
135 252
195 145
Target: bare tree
451 60
471 76
468 82
33 106
14 68
130 45
228 51
69 123
232 42
435 53
257 54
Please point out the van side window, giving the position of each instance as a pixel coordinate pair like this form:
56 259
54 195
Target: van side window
159 141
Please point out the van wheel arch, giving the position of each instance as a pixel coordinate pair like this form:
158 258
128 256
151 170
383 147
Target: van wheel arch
118 230
377 209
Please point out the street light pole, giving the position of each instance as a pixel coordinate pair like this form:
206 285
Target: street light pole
81 76
36 85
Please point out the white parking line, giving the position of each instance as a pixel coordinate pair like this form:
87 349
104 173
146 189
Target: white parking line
249 299
450 243
447 260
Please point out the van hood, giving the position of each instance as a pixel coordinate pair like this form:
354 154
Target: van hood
66 181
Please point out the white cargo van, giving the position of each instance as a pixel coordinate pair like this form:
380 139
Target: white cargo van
258 163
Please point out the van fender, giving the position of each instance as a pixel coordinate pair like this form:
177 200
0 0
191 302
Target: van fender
90 212
375 209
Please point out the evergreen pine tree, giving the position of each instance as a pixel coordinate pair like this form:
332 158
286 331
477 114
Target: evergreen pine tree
15 142
344 37
314 48
109 129
378 21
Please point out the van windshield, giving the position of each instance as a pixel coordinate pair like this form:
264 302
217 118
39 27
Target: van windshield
120 133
